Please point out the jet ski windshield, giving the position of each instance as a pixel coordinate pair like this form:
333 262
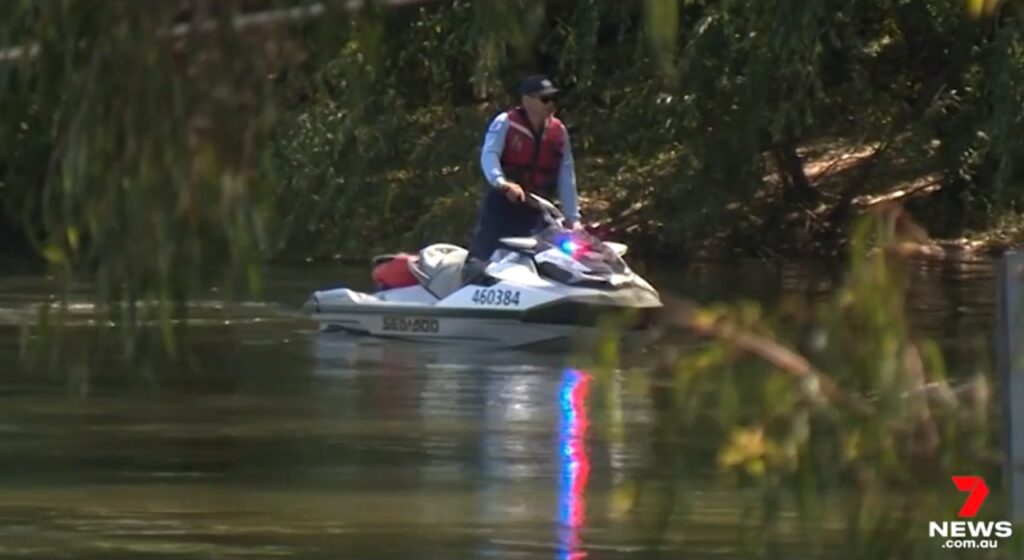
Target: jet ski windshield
584 248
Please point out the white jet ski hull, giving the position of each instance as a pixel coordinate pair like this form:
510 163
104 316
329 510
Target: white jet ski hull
504 332
503 314
556 285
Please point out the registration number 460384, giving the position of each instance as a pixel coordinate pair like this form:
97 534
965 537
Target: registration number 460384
495 296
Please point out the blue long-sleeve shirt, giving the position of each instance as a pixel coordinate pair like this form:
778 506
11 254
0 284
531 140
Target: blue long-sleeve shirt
490 162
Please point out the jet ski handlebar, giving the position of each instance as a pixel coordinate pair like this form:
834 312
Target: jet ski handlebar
550 211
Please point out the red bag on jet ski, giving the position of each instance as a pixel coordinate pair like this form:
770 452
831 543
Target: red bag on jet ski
393 271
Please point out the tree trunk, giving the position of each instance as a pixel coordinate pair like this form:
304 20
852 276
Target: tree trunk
791 167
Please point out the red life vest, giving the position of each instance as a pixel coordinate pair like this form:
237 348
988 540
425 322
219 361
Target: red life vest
531 164
394 272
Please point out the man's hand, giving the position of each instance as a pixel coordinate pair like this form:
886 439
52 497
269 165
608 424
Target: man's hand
577 226
513 191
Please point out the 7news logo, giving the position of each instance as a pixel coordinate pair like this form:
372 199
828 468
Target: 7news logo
970 534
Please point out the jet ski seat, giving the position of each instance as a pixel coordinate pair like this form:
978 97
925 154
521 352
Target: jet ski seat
439 268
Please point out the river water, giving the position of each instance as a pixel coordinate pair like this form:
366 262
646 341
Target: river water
282 442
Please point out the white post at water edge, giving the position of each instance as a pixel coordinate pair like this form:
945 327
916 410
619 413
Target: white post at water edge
1010 360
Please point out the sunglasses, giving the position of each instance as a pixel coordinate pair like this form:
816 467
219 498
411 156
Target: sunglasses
546 99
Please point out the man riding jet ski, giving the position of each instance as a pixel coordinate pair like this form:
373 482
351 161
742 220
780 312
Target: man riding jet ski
551 286
517 284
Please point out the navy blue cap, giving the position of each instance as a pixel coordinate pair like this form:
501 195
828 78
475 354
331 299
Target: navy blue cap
537 84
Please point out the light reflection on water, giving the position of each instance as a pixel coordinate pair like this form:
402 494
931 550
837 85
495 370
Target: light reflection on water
575 461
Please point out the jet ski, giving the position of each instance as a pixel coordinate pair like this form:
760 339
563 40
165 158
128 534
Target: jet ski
553 286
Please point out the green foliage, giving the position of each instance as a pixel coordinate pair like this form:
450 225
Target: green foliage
137 155
161 160
828 398
683 109
368 164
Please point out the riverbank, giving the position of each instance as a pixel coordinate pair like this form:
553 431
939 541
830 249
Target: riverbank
338 196
771 225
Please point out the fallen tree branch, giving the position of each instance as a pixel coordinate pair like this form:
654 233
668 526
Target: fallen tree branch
684 315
